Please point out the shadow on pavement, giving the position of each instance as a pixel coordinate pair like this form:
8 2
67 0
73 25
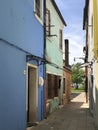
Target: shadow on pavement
73 95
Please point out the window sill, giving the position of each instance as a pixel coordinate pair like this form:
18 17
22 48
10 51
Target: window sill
38 18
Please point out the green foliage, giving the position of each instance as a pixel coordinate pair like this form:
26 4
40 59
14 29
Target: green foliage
77 74
80 90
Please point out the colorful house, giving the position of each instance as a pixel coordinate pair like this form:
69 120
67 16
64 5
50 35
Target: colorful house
21 63
54 56
91 26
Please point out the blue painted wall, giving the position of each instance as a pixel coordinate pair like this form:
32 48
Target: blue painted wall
41 103
41 97
12 88
19 26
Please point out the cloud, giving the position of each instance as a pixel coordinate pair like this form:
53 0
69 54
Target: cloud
75 46
75 32
76 37
72 11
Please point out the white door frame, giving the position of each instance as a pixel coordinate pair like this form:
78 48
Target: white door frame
33 91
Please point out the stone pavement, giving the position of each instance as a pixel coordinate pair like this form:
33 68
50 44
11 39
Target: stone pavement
74 116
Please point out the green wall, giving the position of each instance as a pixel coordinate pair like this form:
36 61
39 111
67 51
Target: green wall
53 52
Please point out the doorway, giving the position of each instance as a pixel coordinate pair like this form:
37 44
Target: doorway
32 93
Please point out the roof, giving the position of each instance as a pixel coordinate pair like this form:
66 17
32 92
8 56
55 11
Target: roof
58 11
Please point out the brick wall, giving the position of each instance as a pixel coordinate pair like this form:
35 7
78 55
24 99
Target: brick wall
66 96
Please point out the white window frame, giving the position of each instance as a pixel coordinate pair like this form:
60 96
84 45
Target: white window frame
40 19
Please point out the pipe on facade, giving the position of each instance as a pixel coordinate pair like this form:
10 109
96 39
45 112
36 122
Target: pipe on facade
44 67
11 44
44 34
29 56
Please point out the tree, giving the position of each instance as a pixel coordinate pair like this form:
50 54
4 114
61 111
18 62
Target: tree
77 74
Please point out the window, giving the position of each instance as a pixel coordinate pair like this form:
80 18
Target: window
38 8
64 85
53 85
48 22
60 38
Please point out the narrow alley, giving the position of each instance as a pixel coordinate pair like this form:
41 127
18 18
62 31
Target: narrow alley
48 61
74 116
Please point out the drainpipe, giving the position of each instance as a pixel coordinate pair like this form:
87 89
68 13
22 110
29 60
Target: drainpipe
44 58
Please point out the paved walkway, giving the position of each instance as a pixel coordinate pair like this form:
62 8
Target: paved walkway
74 116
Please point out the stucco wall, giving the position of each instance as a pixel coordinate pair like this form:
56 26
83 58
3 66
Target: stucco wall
53 51
12 88
19 25
92 56
67 95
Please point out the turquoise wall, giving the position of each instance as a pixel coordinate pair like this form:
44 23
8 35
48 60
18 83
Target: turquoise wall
54 105
53 51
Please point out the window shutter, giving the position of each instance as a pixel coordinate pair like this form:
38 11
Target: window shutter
60 38
48 22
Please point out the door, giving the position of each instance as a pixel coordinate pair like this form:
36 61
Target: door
32 104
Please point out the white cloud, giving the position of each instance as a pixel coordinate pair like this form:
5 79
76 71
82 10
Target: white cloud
76 37
72 11
75 46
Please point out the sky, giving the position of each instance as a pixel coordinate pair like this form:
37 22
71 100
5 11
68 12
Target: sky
72 12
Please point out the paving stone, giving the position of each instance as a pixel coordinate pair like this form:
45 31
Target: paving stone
74 116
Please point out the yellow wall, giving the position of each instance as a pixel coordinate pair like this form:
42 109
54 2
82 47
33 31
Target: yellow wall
95 26
95 37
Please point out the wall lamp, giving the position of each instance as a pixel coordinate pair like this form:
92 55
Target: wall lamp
87 64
